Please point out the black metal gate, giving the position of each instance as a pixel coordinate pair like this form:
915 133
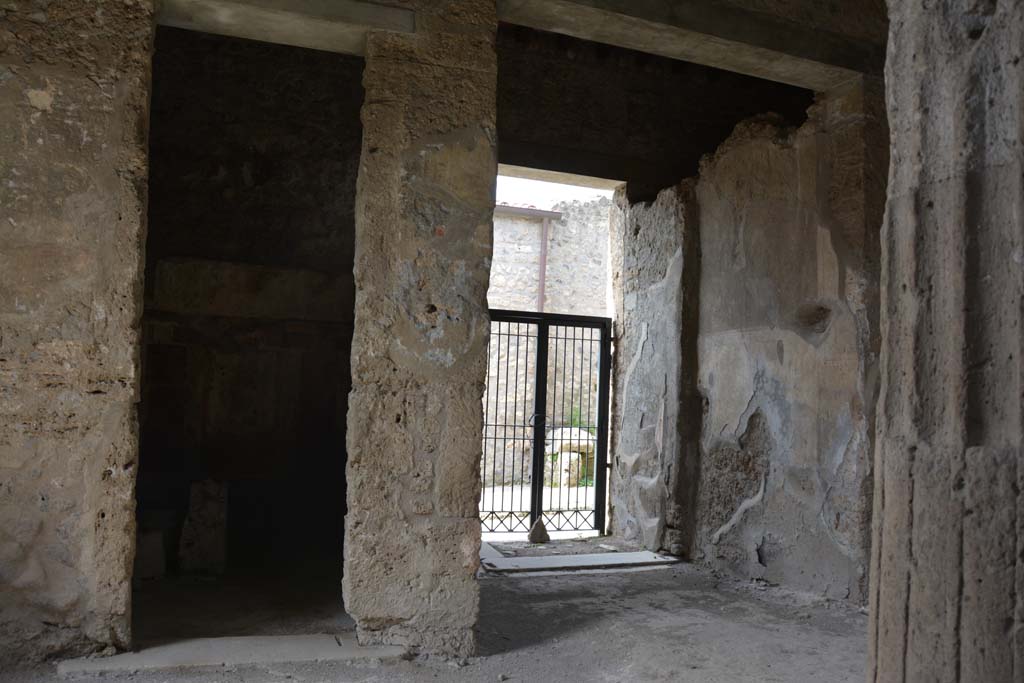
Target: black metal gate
545 441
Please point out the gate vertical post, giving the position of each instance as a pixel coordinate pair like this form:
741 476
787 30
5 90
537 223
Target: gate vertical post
601 464
540 407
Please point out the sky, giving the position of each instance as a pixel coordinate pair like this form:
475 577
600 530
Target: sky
541 194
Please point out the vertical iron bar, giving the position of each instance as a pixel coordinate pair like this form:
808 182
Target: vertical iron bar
584 456
557 418
556 414
539 419
572 399
555 423
504 420
515 429
601 466
487 403
581 456
564 339
587 473
497 382
522 461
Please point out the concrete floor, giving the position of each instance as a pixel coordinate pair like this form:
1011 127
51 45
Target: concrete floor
663 624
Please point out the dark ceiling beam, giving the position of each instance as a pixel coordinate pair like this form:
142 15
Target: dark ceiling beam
704 32
330 25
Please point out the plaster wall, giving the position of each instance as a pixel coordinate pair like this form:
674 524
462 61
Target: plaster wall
655 273
788 346
74 98
742 422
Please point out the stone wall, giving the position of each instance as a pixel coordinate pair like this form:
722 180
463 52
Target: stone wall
254 152
577 275
788 345
947 569
74 94
577 279
515 262
424 207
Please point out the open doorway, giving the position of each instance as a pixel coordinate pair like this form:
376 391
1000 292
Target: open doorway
246 335
743 375
545 441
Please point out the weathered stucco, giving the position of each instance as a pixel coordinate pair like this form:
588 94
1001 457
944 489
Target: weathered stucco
742 422
788 346
74 91
656 265
947 588
423 243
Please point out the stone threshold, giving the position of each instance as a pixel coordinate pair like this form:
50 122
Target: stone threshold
234 651
549 563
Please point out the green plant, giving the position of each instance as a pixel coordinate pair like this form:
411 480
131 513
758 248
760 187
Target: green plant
576 420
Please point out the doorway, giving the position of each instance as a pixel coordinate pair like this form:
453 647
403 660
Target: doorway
546 423
545 440
246 335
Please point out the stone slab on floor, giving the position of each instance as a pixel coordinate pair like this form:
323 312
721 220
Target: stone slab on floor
234 651
489 552
642 558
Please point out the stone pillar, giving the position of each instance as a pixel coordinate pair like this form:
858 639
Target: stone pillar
74 94
424 207
947 576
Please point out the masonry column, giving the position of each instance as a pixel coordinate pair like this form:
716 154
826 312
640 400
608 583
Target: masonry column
947 578
424 208
74 97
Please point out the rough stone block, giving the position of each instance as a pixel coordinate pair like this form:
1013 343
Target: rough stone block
204 536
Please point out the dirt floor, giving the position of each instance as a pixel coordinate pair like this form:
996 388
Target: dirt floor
194 607
662 624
